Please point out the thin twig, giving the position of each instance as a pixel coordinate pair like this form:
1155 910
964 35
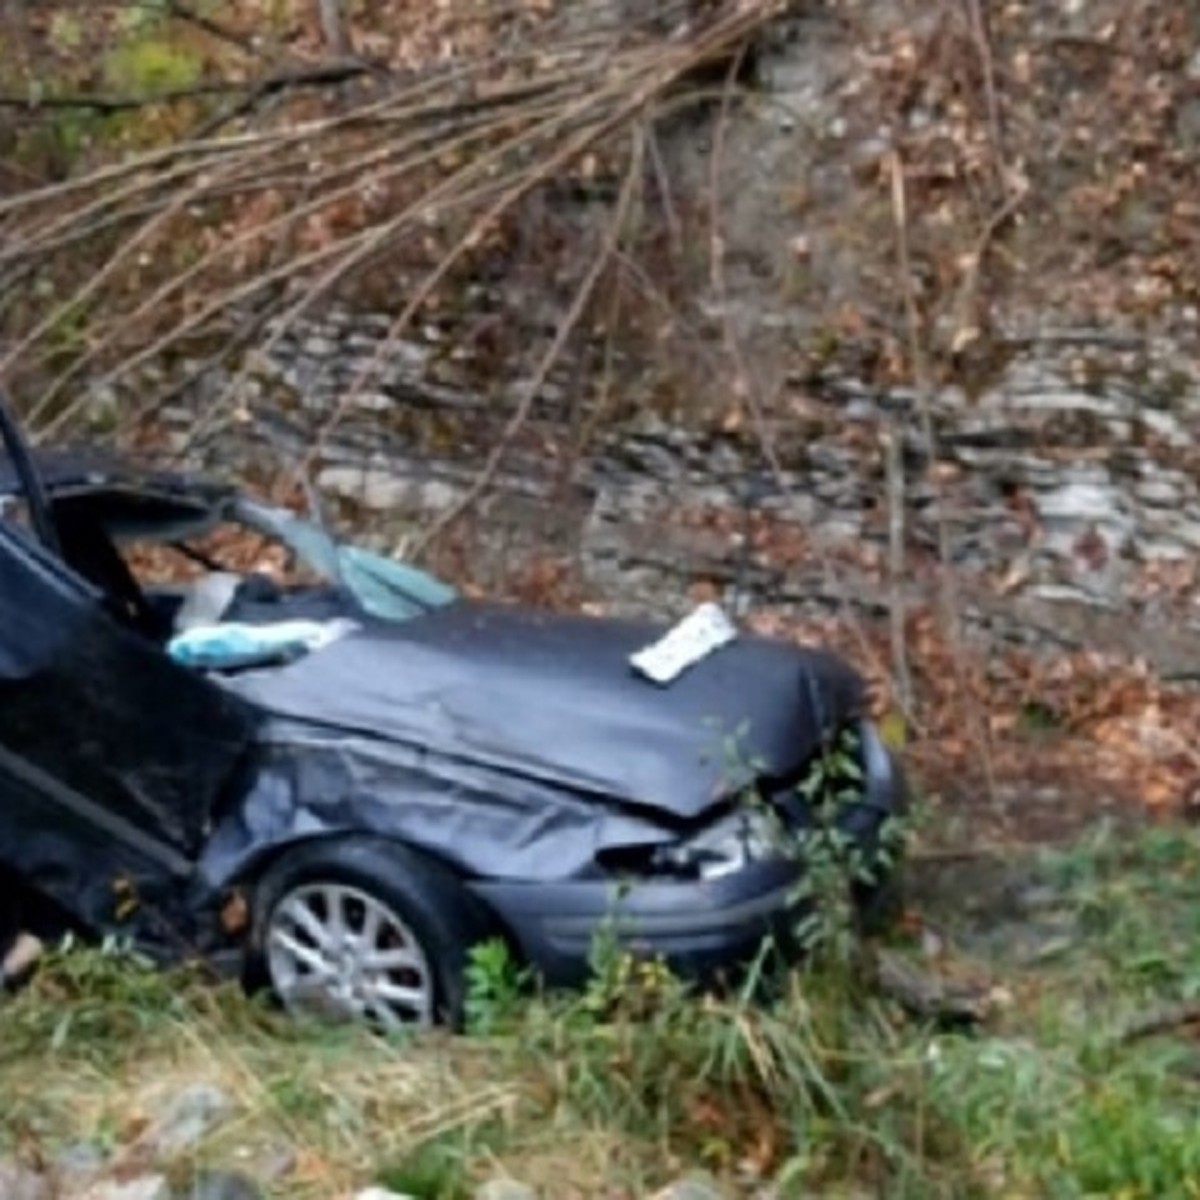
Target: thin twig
965 328
923 387
189 16
413 99
325 75
977 18
897 610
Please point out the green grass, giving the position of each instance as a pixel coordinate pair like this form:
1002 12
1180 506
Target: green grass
824 1089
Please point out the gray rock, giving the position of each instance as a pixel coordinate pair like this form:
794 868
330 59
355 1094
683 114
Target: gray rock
504 1189
436 494
317 346
382 1193
839 529
22 1183
697 1186
1186 531
188 1119
1150 549
373 401
1062 593
1069 402
221 1185
373 487
141 1187
1080 502
1158 492
386 488
1166 426
77 1163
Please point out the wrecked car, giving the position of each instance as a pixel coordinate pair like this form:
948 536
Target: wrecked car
337 778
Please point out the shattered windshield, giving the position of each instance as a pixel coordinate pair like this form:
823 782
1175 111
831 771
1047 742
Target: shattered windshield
168 558
384 586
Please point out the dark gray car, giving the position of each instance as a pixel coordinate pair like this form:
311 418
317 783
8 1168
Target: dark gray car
344 817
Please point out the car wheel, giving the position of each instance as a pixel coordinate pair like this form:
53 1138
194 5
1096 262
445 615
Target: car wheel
363 929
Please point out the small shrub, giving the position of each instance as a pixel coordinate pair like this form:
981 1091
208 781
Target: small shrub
496 986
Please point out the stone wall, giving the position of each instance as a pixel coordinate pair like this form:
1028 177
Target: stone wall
1066 491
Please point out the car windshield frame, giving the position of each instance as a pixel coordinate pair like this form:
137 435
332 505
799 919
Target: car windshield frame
174 511
377 582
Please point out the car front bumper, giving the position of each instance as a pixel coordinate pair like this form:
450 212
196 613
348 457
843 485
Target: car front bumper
701 928
705 929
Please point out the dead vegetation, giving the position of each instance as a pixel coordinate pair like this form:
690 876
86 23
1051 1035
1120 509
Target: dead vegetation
406 185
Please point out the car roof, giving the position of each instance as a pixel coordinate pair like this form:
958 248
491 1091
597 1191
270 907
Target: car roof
69 469
129 499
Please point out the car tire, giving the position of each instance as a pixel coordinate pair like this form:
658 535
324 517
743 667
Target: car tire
421 915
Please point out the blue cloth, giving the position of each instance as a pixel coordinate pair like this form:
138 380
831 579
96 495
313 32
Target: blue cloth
233 644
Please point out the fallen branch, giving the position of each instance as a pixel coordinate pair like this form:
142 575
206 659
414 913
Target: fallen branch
1159 1020
345 253
651 77
456 148
323 75
928 996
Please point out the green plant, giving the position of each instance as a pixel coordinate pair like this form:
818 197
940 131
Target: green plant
152 66
495 987
433 1171
843 860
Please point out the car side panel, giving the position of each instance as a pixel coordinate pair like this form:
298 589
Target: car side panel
105 873
104 713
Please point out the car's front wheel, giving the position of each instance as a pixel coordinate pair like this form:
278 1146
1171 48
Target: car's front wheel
363 929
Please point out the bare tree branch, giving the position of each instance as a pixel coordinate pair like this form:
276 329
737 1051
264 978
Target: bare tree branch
333 27
323 75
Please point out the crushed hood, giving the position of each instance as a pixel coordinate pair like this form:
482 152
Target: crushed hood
554 698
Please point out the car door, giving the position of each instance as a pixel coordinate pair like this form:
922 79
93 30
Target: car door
112 757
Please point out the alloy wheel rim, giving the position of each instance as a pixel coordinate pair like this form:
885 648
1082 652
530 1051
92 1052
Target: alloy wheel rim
336 951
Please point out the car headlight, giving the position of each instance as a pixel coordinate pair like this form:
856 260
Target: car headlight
752 833
741 837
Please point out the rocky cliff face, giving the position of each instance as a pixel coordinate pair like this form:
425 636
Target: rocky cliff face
1066 492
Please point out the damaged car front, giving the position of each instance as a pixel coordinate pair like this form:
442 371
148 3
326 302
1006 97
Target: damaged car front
706 893
571 794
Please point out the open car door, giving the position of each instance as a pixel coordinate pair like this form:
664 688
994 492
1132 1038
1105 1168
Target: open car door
114 760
